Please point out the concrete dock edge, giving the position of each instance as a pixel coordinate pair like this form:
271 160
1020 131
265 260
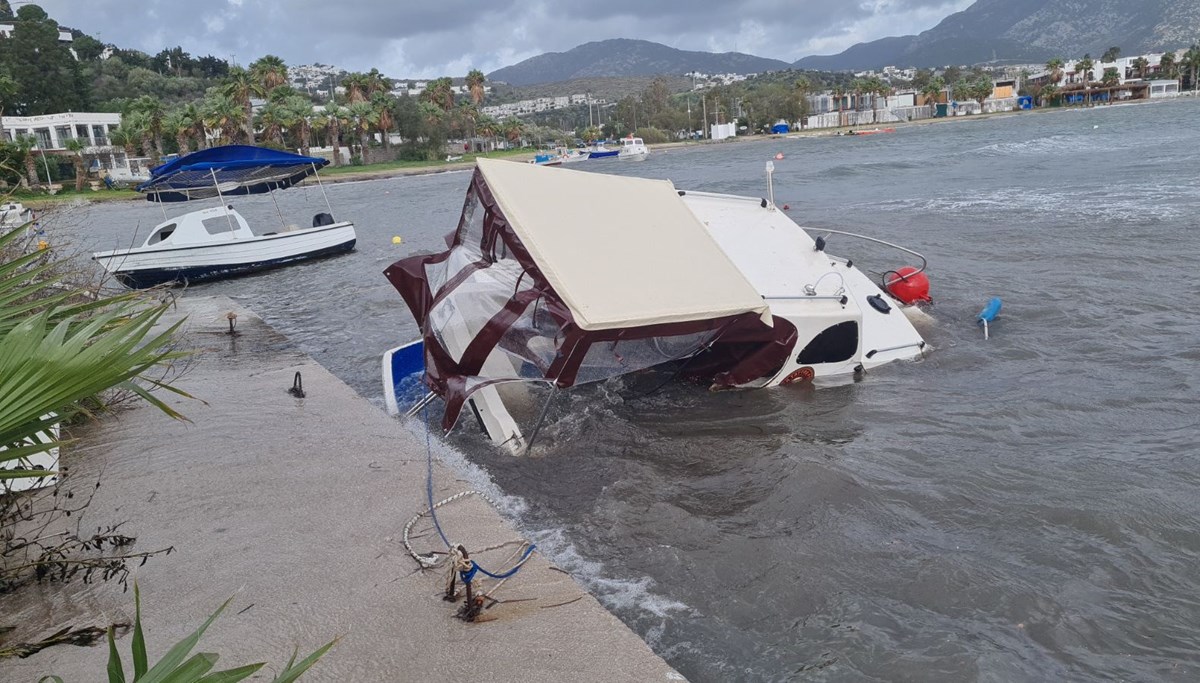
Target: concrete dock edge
295 507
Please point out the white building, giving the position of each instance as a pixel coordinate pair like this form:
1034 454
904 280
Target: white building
53 130
1164 88
7 28
92 128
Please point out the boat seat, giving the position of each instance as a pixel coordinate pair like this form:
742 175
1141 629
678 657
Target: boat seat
322 219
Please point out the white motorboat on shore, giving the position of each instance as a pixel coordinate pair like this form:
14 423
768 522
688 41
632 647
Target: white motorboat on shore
217 242
728 288
633 148
14 215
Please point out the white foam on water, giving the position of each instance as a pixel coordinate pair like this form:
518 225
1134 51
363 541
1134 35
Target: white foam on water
616 594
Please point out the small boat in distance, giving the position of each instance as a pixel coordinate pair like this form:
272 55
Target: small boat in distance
14 215
546 160
633 148
217 242
874 131
573 156
599 151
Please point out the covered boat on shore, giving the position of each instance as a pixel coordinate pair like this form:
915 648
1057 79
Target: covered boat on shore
217 241
531 291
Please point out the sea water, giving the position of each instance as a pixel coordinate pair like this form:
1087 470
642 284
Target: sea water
1022 508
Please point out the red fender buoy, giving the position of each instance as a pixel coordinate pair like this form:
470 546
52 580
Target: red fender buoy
908 285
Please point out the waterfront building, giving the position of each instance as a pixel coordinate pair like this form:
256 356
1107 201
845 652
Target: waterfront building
92 128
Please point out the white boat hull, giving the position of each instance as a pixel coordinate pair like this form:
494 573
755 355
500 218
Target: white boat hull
154 265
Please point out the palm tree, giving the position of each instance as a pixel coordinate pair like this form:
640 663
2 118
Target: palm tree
383 116
513 130
298 114
440 92
140 124
489 128
180 123
1055 67
363 116
75 146
358 86
240 85
198 132
1111 78
271 120
333 121
1191 60
933 89
475 81
151 111
376 83
1049 92
1141 64
800 90
224 115
26 144
1167 66
270 72
125 137
1084 68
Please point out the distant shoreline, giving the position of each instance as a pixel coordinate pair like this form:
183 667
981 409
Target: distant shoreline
434 167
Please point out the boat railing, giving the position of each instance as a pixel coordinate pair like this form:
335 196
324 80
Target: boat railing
821 241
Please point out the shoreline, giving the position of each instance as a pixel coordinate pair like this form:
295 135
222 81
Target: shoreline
296 507
44 203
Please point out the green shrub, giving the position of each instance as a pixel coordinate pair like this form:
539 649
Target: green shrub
177 667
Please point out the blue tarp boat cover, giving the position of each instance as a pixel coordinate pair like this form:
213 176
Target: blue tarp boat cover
234 169
780 128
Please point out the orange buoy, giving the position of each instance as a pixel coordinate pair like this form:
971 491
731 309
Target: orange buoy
908 285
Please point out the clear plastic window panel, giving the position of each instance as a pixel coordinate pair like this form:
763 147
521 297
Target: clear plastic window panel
607 359
459 317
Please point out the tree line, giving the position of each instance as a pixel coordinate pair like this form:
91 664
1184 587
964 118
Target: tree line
175 103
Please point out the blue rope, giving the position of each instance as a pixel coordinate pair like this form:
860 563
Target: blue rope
429 479
470 574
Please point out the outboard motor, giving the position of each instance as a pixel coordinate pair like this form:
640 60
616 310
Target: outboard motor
322 219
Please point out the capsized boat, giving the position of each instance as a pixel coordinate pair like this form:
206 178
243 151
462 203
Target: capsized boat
217 242
727 286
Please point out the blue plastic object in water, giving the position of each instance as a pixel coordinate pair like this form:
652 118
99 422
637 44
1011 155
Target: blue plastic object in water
989 312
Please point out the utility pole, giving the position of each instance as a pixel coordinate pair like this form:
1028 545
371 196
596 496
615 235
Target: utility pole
704 103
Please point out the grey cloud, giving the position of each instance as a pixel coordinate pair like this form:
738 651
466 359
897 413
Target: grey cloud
436 37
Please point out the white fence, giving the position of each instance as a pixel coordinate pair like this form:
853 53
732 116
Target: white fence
869 117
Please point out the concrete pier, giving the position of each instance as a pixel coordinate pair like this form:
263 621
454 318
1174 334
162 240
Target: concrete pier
295 507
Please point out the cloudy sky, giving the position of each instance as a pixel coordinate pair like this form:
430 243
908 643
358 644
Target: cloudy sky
429 38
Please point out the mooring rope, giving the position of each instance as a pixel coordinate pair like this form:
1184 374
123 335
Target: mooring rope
465 568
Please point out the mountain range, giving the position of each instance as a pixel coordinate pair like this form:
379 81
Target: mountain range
988 30
1030 31
626 57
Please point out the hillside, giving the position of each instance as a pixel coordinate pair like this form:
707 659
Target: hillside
624 57
1029 31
